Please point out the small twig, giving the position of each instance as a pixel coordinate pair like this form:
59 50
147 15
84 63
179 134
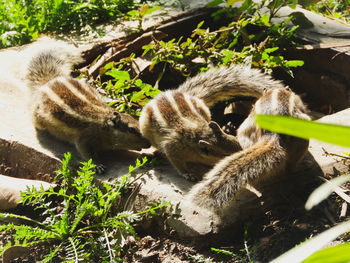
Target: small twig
334 154
156 85
224 30
339 53
344 209
339 191
327 7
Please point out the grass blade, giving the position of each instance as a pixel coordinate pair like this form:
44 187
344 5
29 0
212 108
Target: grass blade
330 133
323 191
309 247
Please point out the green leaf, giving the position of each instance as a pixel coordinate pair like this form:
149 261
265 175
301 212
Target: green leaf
301 252
265 19
330 133
138 83
117 74
339 253
214 3
151 10
137 96
223 251
323 191
270 50
228 55
82 6
132 13
246 4
200 24
293 63
231 2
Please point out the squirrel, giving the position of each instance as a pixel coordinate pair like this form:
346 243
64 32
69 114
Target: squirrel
265 154
71 110
180 126
178 122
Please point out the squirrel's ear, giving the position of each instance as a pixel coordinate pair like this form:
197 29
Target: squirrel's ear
215 127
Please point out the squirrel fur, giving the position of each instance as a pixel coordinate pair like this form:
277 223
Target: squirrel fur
178 122
72 110
264 153
180 126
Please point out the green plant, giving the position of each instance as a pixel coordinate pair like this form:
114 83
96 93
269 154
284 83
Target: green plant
139 14
239 257
332 8
22 21
78 220
127 94
248 39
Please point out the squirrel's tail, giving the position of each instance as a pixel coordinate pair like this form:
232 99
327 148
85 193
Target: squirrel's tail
223 83
220 185
48 59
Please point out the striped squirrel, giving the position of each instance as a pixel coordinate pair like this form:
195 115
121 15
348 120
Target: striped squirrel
264 153
179 124
71 110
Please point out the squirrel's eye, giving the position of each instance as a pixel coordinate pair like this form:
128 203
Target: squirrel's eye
132 130
205 150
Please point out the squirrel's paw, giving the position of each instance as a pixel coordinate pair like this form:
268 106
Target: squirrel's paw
99 169
189 177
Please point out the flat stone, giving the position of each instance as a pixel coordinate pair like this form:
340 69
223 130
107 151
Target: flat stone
11 187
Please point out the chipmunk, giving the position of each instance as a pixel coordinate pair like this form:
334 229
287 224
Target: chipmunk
264 153
179 124
71 110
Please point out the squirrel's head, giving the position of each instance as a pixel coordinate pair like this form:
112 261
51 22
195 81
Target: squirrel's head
126 132
200 152
216 143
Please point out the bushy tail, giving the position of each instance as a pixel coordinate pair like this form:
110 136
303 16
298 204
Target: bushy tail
223 83
220 185
48 59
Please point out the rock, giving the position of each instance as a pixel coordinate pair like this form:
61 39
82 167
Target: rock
14 252
11 187
22 153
